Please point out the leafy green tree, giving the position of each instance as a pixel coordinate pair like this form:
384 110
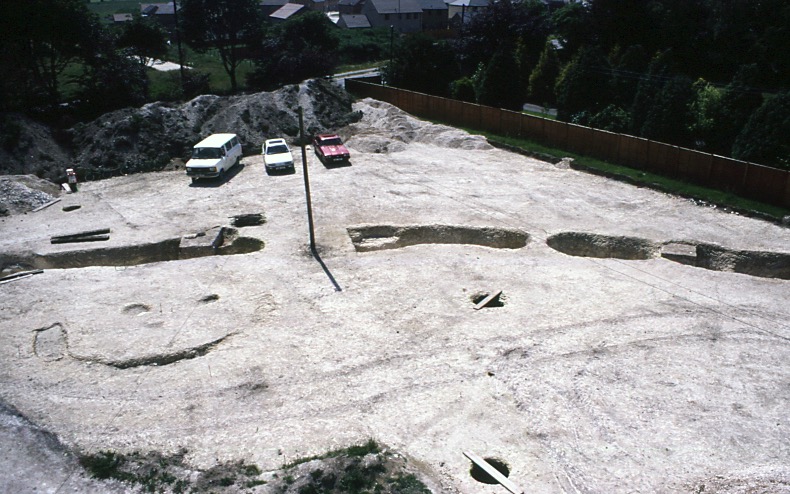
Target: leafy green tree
300 48
582 85
420 64
766 137
573 26
612 118
232 27
112 79
498 87
623 23
41 38
650 84
670 106
144 39
544 77
363 45
504 23
463 89
628 69
705 113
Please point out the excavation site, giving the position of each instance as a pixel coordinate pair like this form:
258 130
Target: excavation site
460 319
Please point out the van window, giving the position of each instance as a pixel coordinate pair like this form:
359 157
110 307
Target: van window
206 153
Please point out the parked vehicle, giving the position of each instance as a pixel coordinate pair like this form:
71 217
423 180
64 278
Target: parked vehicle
330 148
277 155
213 156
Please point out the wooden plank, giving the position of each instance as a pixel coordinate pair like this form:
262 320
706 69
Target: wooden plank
20 275
86 238
488 299
493 472
81 234
50 203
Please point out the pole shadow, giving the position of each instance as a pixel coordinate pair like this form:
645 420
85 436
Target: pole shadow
326 269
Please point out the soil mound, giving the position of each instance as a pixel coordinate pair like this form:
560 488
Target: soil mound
149 138
385 128
23 193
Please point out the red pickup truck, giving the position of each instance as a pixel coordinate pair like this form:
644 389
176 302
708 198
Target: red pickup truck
330 149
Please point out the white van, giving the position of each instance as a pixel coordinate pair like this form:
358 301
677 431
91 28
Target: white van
213 156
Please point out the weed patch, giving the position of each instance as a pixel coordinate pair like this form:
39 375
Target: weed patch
154 472
358 469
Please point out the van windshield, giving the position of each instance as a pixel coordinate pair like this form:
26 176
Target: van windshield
206 153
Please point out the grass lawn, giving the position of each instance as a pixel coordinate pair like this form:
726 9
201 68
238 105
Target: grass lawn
107 8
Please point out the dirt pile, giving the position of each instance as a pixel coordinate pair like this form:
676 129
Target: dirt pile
385 128
28 147
23 193
149 138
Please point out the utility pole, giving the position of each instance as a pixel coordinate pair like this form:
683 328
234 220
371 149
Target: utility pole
306 181
178 44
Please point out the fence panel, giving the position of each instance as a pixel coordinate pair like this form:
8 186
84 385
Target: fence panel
767 184
420 104
633 151
606 145
470 116
728 174
694 166
579 138
511 123
532 128
455 111
556 133
491 119
663 158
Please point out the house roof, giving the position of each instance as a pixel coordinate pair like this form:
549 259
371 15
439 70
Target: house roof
157 8
287 10
470 3
122 17
396 6
432 4
355 21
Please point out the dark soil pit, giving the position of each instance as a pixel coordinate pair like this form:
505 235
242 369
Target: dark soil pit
251 219
497 301
482 476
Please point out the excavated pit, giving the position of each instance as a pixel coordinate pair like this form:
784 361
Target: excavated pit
383 237
708 256
602 246
753 263
217 241
483 477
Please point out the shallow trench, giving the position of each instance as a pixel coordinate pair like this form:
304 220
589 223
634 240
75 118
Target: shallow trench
708 256
382 237
591 245
222 241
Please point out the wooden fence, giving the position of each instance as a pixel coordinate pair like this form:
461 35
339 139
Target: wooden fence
758 182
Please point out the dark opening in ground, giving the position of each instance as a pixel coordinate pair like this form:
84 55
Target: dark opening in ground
496 301
482 476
